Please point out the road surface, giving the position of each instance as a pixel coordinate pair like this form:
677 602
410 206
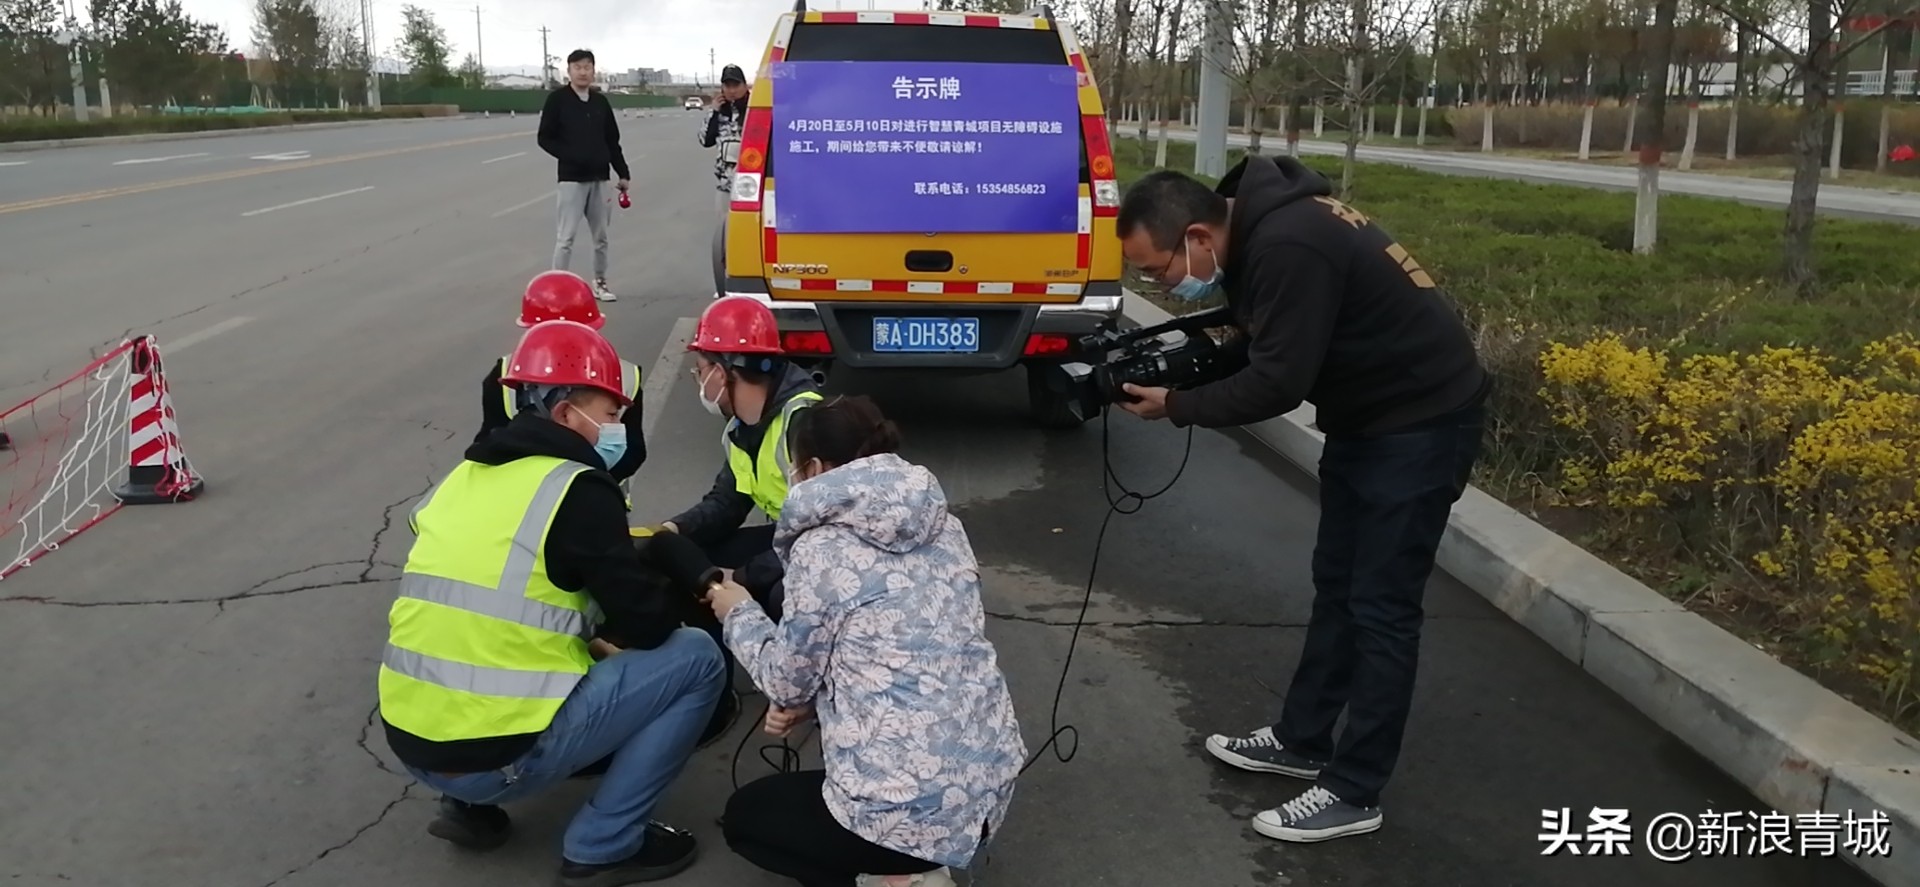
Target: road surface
189 688
1839 200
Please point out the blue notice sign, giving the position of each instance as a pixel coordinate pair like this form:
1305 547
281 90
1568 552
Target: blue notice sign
919 147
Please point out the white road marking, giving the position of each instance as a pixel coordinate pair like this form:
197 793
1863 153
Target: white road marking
191 339
520 206
498 159
666 371
284 155
14 162
158 159
255 212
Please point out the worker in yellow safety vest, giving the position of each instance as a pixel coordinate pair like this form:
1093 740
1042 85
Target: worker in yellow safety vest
743 376
522 574
563 295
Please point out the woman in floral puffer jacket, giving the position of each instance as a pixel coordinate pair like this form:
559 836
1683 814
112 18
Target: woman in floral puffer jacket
883 639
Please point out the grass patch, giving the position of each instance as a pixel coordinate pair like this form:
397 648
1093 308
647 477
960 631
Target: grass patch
1683 415
25 128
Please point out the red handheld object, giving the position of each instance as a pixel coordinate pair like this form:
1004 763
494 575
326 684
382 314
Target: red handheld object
625 201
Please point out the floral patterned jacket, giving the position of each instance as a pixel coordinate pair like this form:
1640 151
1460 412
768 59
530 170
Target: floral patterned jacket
884 633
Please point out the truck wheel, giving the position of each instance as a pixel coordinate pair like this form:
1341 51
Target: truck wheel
1049 408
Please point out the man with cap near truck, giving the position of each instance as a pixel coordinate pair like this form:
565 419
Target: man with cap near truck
563 295
723 131
744 377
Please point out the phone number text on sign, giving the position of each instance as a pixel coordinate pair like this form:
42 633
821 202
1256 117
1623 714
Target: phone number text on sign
1678 837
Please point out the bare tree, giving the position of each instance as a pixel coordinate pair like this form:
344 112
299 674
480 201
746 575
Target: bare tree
1818 65
1376 39
1255 63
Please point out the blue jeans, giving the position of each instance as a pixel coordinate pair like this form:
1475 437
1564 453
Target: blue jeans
1384 504
645 708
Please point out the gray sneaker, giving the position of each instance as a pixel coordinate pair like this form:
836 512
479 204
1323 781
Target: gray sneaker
1316 815
603 292
1261 753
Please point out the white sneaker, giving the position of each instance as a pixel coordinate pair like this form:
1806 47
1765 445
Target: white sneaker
604 293
939 877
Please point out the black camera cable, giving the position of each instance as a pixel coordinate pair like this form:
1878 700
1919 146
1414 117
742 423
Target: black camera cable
1127 502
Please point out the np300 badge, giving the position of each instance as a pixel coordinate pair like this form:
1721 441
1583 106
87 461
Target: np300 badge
799 269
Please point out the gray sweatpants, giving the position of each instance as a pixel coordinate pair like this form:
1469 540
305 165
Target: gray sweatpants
723 201
574 202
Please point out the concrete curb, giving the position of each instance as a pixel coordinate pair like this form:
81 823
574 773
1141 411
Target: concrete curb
1796 745
137 138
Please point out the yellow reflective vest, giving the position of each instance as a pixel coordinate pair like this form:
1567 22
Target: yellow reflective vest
480 641
764 478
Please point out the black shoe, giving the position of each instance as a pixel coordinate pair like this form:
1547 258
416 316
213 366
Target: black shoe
473 826
724 715
667 851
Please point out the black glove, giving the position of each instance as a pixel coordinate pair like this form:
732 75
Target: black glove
681 559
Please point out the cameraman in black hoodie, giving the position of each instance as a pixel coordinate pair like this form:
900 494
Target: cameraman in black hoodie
1335 313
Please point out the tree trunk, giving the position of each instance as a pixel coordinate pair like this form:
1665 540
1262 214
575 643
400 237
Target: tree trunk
1355 91
1646 204
1741 42
1297 99
1886 101
1816 69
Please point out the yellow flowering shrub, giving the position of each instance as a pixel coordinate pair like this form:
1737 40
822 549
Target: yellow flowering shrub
1795 468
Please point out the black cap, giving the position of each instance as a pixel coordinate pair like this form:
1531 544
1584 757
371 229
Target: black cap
732 74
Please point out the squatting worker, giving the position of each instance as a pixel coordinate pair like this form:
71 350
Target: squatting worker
742 377
489 687
563 295
883 641
1334 313
722 132
578 128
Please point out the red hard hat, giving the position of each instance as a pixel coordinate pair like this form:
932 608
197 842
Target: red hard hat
736 325
566 353
560 295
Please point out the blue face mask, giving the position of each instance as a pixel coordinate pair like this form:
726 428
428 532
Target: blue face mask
1193 289
612 443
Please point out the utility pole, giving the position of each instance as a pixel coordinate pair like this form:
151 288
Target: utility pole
711 70
1216 48
546 61
479 51
373 68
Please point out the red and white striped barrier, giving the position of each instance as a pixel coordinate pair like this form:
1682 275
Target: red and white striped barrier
157 470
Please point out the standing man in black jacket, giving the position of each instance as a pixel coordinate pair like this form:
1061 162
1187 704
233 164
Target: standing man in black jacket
578 129
1335 313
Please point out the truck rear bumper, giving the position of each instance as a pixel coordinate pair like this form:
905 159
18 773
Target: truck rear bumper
1004 328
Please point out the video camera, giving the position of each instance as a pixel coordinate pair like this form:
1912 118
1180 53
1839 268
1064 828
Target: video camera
1175 354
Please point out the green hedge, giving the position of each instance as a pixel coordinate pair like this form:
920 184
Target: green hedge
28 129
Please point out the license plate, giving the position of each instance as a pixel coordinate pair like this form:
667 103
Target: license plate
926 334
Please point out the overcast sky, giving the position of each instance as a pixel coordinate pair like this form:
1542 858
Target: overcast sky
623 34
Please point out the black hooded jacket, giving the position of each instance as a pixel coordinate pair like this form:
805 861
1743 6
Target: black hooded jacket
1335 312
725 508
588 547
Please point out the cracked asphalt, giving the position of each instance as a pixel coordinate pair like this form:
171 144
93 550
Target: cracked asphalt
188 689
